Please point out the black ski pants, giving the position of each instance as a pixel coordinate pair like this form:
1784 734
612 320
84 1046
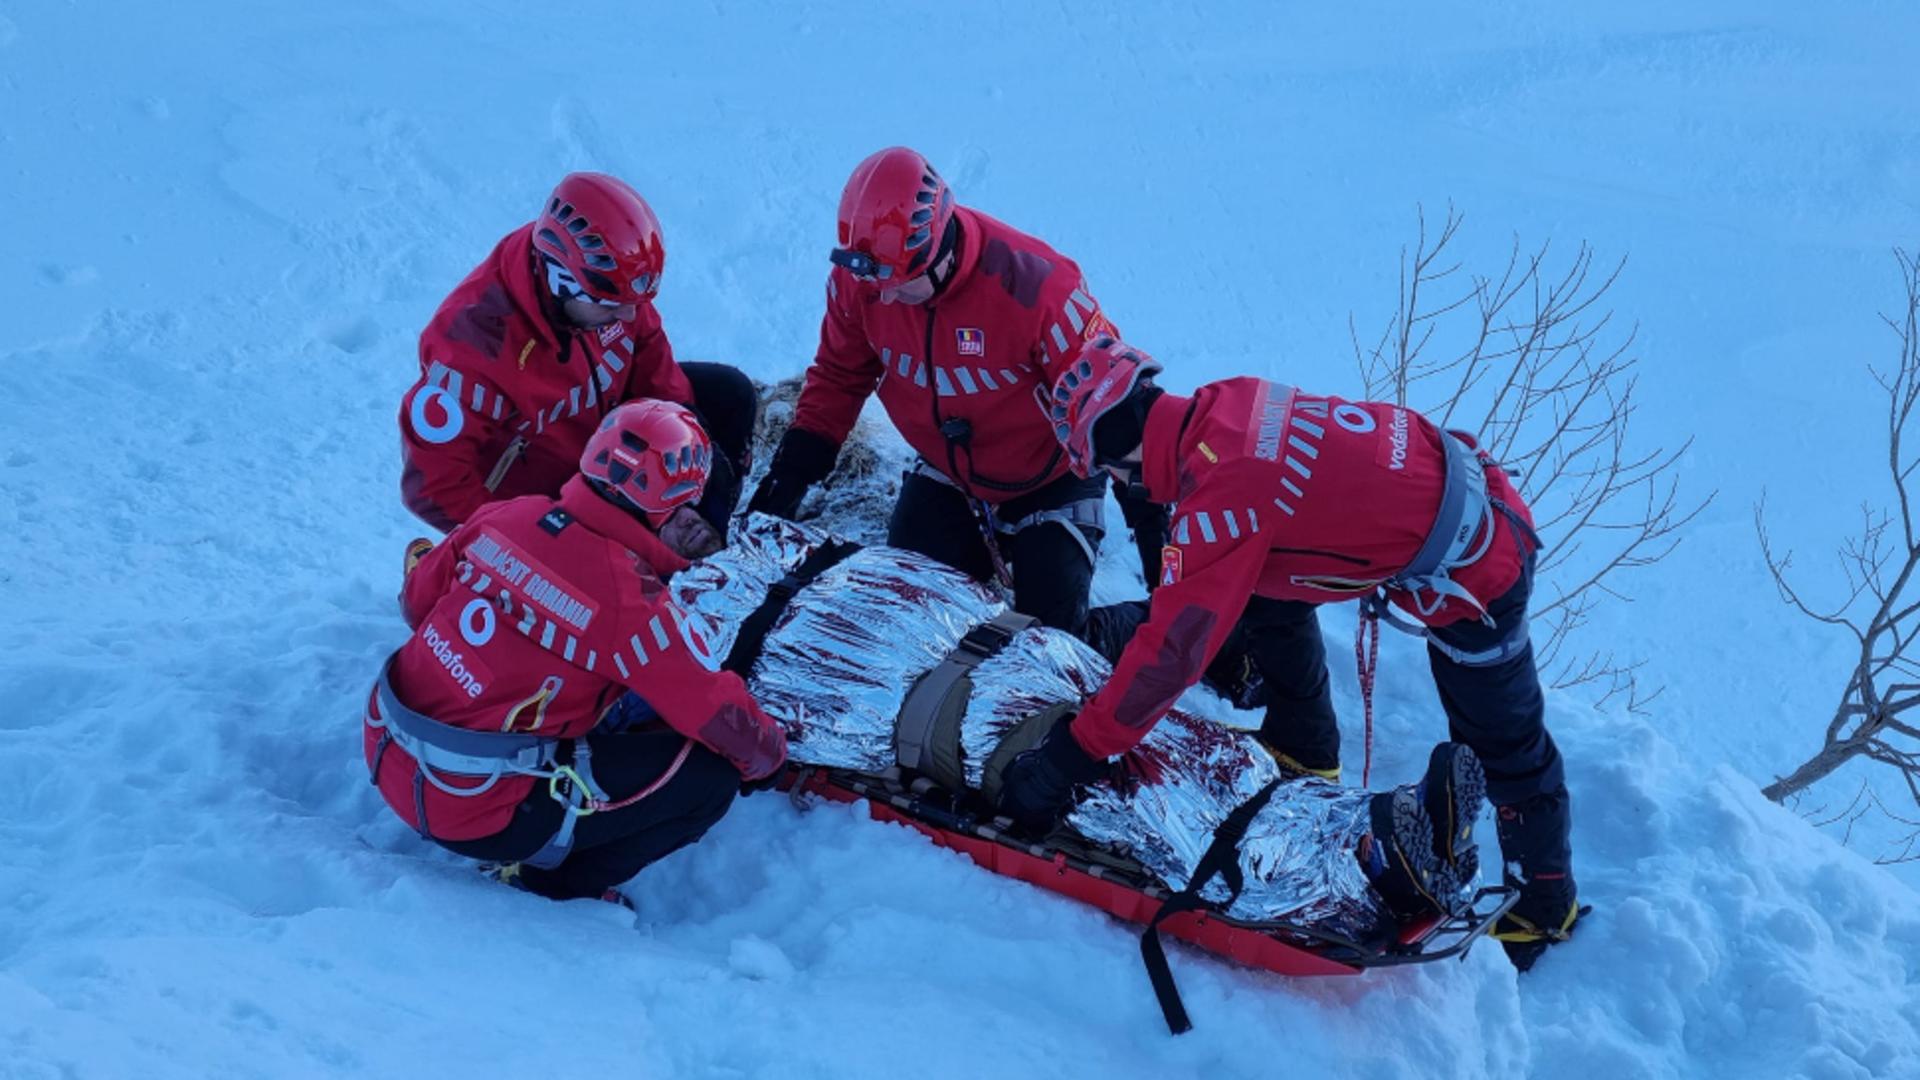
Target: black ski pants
613 845
1493 704
1051 571
729 408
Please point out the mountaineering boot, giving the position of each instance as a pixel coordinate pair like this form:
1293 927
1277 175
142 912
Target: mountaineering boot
1292 769
1453 791
508 874
505 873
615 896
417 549
1546 915
1533 841
1398 857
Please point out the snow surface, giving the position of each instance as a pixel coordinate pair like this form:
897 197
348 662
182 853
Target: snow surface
226 223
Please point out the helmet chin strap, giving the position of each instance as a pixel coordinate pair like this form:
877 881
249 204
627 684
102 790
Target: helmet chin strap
1131 483
940 274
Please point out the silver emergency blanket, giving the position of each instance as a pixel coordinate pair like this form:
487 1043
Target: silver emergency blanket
836 666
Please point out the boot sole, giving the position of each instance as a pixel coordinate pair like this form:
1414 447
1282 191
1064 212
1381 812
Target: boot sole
1403 818
1454 805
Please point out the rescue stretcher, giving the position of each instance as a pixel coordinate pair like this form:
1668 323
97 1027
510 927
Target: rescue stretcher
908 688
1115 884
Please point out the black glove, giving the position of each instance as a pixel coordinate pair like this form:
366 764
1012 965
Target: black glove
1038 784
803 460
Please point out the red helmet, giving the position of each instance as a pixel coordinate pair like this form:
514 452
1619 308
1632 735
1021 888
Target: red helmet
601 233
1099 377
893 213
653 453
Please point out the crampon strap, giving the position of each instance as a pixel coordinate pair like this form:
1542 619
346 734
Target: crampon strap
1222 859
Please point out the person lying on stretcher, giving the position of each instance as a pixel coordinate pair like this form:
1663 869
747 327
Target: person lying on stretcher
881 658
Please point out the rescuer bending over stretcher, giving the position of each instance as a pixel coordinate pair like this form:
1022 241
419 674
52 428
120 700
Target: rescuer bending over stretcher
877 657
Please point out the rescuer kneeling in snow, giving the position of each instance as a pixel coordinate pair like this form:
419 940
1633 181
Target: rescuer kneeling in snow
538 343
500 730
1284 500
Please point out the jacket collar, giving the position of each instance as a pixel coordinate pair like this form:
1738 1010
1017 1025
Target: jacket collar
968 259
1160 447
608 520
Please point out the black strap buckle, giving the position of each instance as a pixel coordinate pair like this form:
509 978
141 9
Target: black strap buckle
986 639
785 589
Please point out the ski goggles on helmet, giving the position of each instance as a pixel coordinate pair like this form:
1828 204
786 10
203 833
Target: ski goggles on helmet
860 264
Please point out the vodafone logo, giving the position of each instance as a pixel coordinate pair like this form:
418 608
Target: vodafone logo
434 415
465 672
696 639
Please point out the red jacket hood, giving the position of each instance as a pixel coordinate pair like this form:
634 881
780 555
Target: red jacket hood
588 508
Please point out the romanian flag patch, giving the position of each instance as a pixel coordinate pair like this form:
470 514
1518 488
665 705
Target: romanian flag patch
1169 565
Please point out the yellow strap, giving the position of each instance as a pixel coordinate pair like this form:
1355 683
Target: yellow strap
1529 932
1288 764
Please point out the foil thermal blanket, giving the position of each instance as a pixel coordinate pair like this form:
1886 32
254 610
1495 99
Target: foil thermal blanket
837 664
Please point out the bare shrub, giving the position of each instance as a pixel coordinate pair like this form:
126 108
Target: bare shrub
1881 605
1529 362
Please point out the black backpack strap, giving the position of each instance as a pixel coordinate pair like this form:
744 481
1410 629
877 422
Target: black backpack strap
753 630
1222 859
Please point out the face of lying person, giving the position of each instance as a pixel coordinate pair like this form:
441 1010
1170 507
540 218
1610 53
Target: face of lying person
689 534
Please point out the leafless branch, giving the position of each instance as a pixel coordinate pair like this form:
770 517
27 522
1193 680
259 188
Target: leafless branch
1880 609
1530 362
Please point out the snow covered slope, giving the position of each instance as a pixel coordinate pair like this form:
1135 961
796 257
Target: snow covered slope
226 222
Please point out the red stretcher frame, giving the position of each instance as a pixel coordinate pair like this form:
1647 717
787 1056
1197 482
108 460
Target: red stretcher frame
1282 948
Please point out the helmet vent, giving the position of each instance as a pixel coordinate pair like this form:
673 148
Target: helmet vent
592 241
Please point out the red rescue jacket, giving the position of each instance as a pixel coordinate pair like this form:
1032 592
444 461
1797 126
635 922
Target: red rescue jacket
589 619
1014 310
506 402
1323 503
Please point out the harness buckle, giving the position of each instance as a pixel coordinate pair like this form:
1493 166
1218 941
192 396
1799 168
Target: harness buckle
571 790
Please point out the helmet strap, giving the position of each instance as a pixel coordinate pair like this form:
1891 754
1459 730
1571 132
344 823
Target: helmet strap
946 257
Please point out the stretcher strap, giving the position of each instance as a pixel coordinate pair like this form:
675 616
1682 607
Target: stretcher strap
926 737
1222 859
753 630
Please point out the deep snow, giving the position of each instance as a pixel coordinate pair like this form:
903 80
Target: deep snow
226 223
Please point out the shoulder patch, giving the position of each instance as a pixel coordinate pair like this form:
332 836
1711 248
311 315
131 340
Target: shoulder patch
483 324
1021 273
556 521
